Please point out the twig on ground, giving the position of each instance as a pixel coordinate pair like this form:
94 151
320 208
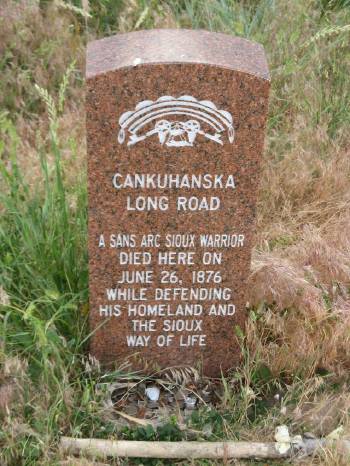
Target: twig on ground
212 450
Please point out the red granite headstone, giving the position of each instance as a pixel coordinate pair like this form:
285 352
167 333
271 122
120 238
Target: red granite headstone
175 131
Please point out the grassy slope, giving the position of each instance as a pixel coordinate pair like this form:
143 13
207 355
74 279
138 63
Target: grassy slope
298 336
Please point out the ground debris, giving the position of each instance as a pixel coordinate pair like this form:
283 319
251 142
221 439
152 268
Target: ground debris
152 400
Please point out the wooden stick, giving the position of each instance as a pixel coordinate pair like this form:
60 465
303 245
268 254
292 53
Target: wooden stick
212 450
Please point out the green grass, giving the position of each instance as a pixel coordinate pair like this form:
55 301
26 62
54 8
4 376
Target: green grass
43 264
43 235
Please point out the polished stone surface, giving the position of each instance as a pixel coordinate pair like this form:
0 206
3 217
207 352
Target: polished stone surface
173 103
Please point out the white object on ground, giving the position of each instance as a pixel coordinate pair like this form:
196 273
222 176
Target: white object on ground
152 393
190 402
283 439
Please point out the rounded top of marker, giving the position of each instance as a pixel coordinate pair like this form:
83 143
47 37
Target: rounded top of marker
174 46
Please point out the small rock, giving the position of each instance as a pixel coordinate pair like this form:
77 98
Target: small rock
152 404
152 393
190 402
180 396
132 397
149 414
297 441
282 434
206 396
131 410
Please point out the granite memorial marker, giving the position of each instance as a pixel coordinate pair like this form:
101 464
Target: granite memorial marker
175 130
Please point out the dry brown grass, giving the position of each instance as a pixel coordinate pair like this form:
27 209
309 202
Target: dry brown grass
306 318
40 45
305 287
300 278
